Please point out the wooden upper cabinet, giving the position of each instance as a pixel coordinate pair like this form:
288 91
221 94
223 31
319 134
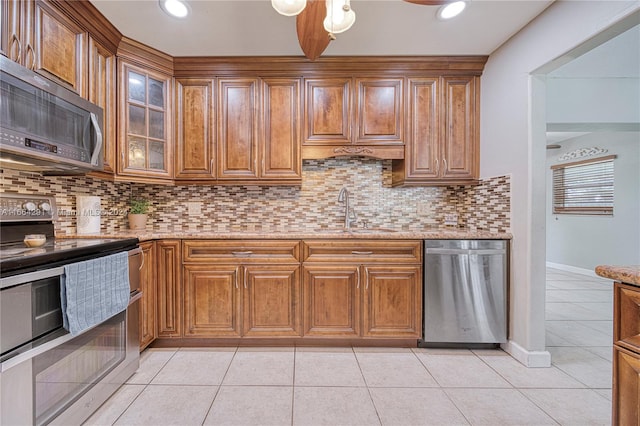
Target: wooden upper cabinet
195 129
327 112
102 92
237 128
16 31
145 122
460 138
60 48
380 116
443 140
281 130
422 153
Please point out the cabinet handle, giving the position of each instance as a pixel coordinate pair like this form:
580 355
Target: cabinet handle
15 39
122 156
242 253
444 161
237 274
33 57
358 277
437 166
361 253
366 278
212 160
244 277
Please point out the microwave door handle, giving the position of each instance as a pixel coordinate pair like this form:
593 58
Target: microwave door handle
95 158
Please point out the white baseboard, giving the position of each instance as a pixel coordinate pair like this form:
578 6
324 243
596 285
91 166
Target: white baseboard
531 359
574 269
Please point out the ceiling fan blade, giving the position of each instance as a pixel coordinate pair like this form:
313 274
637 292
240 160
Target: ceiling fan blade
429 2
312 36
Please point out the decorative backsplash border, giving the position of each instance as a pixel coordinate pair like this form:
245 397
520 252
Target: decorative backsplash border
314 205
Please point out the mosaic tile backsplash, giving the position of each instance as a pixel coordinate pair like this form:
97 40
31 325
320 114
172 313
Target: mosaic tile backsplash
314 205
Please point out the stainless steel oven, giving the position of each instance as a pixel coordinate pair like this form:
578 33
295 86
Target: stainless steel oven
47 375
55 377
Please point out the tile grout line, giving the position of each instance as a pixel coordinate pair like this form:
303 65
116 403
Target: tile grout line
219 388
366 385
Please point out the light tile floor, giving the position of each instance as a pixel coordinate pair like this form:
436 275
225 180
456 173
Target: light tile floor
374 386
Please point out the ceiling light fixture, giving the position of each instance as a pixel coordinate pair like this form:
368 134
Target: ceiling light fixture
451 10
289 7
340 17
175 8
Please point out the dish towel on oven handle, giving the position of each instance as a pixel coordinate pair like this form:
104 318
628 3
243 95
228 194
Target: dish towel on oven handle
93 291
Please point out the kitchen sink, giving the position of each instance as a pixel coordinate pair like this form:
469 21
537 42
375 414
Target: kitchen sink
357 230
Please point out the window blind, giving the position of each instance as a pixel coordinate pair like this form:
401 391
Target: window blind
584 187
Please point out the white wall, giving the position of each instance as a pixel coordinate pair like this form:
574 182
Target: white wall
513 129
587 241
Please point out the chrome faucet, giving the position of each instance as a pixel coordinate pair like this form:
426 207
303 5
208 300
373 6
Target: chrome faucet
349 214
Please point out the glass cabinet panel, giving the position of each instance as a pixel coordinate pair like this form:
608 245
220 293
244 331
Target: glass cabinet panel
146 121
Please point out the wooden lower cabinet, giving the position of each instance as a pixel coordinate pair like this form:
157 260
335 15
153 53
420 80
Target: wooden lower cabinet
169 288
271 295
212 301
242 300
392 305
626 387
148 300
626 354
366 289
331 301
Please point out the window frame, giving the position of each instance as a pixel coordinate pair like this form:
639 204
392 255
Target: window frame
560 207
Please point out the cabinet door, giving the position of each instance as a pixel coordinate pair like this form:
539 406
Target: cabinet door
460 138
626 387
327 114
60 48
194 129
271 300
102 92
392 301
169 288
237 128
145 118
331 301
280 141
380 117
422 156
15 30
148 301
212 301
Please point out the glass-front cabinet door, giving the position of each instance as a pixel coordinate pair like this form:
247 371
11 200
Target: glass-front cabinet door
145 123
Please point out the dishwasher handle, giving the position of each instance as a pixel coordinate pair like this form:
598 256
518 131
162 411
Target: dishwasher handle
470 252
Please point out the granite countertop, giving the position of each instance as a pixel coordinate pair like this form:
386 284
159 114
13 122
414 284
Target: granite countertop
287 233
625 274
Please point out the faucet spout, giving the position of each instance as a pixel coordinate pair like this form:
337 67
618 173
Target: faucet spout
349 215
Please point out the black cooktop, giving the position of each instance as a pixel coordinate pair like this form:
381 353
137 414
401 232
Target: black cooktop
17 258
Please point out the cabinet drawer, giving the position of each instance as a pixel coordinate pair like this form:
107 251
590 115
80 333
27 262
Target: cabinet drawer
626 316
239 251
350 251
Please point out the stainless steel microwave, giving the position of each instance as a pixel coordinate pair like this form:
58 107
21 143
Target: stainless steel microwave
45 127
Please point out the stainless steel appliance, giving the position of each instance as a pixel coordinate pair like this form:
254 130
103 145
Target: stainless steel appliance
465 292
45 127
48 376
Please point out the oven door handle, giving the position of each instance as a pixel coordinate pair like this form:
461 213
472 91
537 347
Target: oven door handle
30 276
32 353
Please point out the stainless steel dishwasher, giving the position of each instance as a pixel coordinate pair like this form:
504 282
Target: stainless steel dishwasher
465 292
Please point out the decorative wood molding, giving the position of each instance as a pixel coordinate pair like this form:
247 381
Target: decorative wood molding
311 152
192 66
145 56
89 17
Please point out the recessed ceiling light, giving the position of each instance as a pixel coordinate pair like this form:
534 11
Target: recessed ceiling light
177 8
450 10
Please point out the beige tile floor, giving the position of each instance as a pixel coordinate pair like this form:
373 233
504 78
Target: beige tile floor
367 386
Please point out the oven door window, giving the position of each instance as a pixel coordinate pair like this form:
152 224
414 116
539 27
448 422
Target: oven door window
66 372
